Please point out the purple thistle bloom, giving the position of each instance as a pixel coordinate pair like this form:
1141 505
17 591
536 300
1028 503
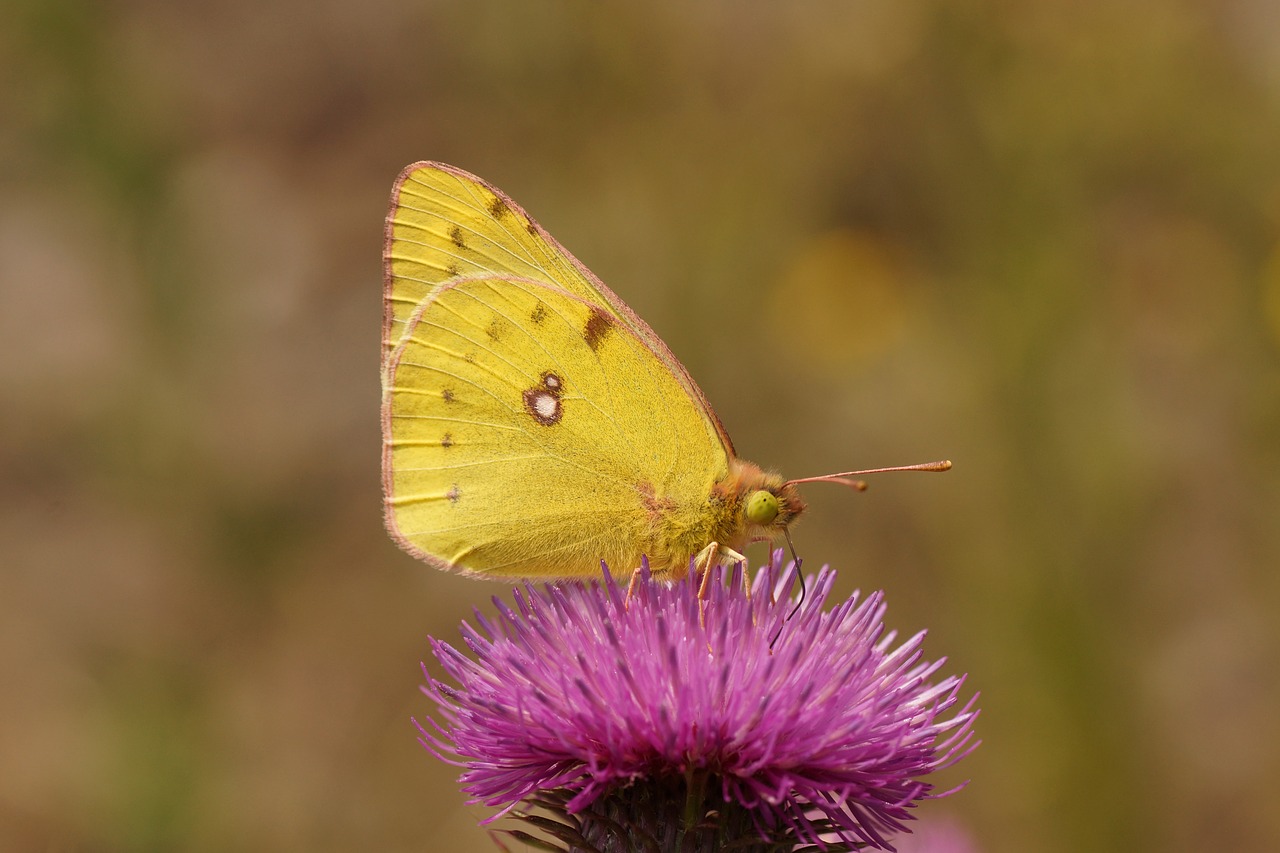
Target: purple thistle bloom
668 723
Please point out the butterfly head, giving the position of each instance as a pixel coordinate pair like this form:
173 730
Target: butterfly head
769 505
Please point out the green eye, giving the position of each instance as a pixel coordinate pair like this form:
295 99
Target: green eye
762 507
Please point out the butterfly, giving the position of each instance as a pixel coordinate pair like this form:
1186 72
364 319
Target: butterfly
532 424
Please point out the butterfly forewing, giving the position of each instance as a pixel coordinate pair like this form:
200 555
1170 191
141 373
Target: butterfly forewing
446 224
529 432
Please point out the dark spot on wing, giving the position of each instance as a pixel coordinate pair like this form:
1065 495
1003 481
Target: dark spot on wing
447 440
495 329
447 394
539 314
452 271
498 208
455 234
453 494
533 228
598 326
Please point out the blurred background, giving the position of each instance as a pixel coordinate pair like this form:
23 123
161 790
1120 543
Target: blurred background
1039 238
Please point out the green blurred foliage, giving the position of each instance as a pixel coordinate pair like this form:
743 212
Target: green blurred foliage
1039 238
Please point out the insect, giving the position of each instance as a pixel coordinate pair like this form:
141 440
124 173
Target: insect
532 424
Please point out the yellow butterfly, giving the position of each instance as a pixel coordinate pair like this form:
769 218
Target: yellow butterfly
532 423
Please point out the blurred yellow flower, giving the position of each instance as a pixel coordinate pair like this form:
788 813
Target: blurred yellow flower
842 297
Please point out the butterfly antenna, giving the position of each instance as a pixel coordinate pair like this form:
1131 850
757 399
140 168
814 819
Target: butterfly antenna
844 478
795 559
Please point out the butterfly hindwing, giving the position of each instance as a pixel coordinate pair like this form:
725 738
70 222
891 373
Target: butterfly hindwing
528 431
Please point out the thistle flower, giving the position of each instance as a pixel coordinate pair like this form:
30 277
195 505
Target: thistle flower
662 721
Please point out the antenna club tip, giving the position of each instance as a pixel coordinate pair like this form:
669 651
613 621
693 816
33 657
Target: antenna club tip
944 465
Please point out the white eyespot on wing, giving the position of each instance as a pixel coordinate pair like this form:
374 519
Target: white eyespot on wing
543 405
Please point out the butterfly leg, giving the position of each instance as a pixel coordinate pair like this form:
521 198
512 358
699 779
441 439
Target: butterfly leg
734 558
702 565
635 582
708 557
